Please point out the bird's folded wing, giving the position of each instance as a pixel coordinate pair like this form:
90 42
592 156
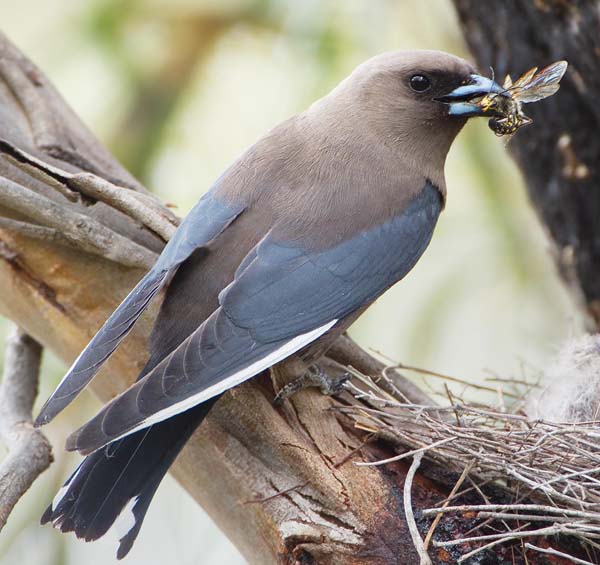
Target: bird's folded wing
283 298
202 225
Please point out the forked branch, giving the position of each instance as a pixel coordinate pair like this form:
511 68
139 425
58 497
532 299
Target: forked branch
29 452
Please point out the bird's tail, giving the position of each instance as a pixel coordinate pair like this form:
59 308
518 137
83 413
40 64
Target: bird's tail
113 487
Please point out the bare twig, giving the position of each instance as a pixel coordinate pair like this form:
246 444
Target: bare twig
514 507
418 451
136 205
556 553
484 547
454 490
81 230
410 518
437 375
125 200
505 536
30 452
527 517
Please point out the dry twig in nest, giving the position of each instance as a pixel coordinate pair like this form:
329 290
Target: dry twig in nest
550 471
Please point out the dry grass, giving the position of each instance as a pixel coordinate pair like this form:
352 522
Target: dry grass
550 471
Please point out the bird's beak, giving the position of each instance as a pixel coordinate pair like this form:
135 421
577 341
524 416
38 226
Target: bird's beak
462 101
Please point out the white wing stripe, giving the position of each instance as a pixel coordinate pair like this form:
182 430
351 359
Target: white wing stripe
276 356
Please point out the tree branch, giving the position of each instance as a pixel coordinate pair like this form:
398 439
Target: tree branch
136 205
79 229
29 452
34 231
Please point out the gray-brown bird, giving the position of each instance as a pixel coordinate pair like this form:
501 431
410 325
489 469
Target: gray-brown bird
291 244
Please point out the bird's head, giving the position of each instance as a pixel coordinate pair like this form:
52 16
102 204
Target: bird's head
416 100
422 86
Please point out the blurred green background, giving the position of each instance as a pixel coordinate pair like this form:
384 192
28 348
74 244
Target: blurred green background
177 89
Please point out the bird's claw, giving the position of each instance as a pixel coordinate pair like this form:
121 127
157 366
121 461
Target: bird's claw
314 377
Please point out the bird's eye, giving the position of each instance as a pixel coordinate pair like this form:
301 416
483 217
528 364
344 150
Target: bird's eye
419 83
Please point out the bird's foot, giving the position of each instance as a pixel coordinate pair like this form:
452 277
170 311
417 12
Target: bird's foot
314 377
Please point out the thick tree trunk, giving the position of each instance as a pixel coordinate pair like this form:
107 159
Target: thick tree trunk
560 156
280 482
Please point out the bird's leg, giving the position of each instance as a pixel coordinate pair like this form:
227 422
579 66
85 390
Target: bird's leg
311 376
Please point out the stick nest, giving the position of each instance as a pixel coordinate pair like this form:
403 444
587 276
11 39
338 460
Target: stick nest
550 471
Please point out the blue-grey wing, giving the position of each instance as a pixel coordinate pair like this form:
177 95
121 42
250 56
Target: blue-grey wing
283 298
203 224
286 290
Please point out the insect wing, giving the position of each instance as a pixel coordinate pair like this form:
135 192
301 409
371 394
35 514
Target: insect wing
524 79
539 86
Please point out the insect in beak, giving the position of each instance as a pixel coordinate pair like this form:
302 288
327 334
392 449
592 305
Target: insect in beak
482 96
464 100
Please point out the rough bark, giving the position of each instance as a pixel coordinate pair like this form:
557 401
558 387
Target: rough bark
280 482
560 156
